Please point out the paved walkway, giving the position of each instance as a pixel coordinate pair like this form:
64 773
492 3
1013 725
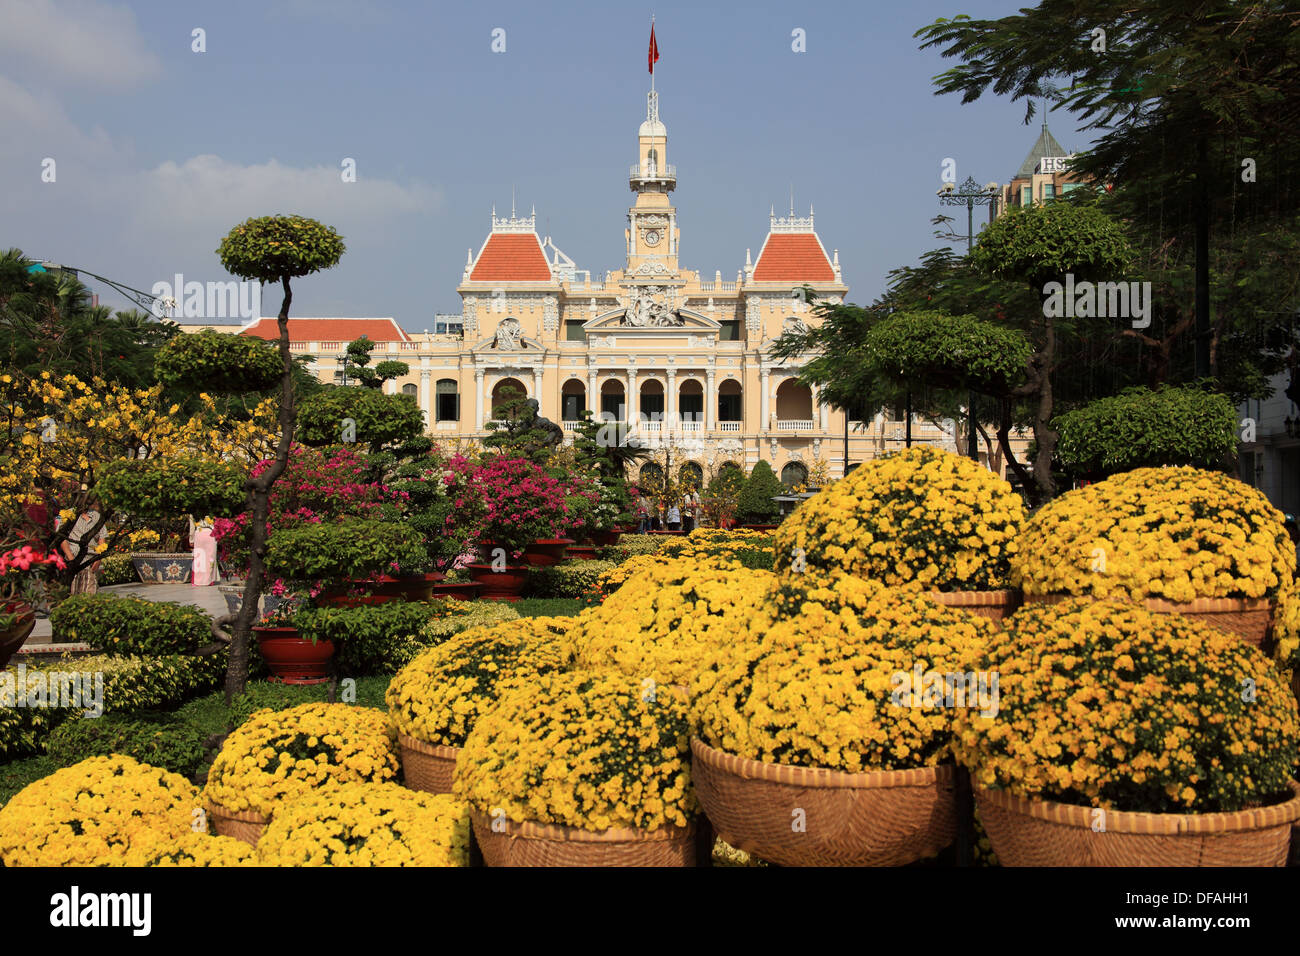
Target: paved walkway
208 598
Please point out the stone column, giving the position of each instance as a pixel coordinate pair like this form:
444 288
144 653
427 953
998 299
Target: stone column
632 403
765 420
480 411
593 399
537 389
825 411
710 401
670 401
424 395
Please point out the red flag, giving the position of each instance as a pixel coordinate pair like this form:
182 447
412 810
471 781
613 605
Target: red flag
653 56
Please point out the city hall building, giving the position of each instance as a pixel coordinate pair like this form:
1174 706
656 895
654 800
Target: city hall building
681 355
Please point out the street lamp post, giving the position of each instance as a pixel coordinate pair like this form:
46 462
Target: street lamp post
970 194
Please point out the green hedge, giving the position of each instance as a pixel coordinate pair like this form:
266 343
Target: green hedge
155 739
131 685
159 489
349 550
126 626
371 639
117 569
572 579
1140 428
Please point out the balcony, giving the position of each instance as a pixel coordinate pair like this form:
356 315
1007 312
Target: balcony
729 426
648 172
794 424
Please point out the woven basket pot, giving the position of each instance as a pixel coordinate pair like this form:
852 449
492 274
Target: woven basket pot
1247 618
882 818
994 605
1043 833
241 824
537 844
427 767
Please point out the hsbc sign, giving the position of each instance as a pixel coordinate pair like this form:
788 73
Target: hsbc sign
1053 164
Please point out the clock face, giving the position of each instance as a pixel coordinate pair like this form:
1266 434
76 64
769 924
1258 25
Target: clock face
652 237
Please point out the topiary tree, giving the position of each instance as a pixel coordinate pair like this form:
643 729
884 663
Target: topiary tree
756 505
376 419
356 364
1140 428
1038 245
271 249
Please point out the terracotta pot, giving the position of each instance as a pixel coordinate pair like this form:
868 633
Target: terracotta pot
293 659
413 587
459 590
582 552
607 538
546 551
13 636
505 585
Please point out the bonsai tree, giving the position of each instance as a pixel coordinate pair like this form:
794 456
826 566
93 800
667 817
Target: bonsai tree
1141 428
379 419
271 249
756 505
356 364
519 431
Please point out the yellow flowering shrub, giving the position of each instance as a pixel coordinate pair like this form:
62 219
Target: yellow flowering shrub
580 749
669 617
94 812
611 580
192 849
367 824
439 695
462 615
1110 705
921 516
275 755
1172 533
830 683
1286 628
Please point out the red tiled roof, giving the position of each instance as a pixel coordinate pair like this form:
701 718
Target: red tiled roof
330 330
793 257
511 257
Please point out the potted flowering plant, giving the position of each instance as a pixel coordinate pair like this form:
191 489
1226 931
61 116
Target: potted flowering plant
921 518
522 505
345 554
1181 540
291 658
584 723
1124 738
836 701
24 586
435 700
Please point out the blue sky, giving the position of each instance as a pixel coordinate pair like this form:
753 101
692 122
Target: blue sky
160 150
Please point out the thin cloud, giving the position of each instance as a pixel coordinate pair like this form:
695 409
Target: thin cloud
84 43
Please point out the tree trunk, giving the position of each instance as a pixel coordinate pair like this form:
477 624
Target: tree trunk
259 490
1045 436
1004 441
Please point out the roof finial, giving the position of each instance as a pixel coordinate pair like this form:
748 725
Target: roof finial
512 200
792 200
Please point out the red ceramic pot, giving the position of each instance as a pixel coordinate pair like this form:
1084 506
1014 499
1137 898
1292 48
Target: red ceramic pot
546 551
460 590
413 587
13 636
293 659
583 552
504 585
606 538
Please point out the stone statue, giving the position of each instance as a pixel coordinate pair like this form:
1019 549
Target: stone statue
509 334
554 432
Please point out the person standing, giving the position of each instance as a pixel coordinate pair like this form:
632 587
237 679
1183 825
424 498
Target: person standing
205 553
643 514
81 542
674 517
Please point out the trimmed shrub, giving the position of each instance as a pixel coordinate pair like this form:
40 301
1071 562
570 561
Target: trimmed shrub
349 550
466 614
1139 428
158 489
155 739
571 580
756 505
128 626
131 685
372 639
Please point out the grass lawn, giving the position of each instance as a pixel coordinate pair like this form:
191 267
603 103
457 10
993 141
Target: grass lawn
548 607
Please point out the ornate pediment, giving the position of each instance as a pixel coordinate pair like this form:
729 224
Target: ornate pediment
508 337
687 320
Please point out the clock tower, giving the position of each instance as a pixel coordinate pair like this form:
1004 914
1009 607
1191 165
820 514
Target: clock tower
652 221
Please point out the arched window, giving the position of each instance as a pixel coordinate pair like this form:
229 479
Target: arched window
409 389
794 401
573 401
729 401
651 405
613 404
691 476
690 401
794 474
447 404
505 390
